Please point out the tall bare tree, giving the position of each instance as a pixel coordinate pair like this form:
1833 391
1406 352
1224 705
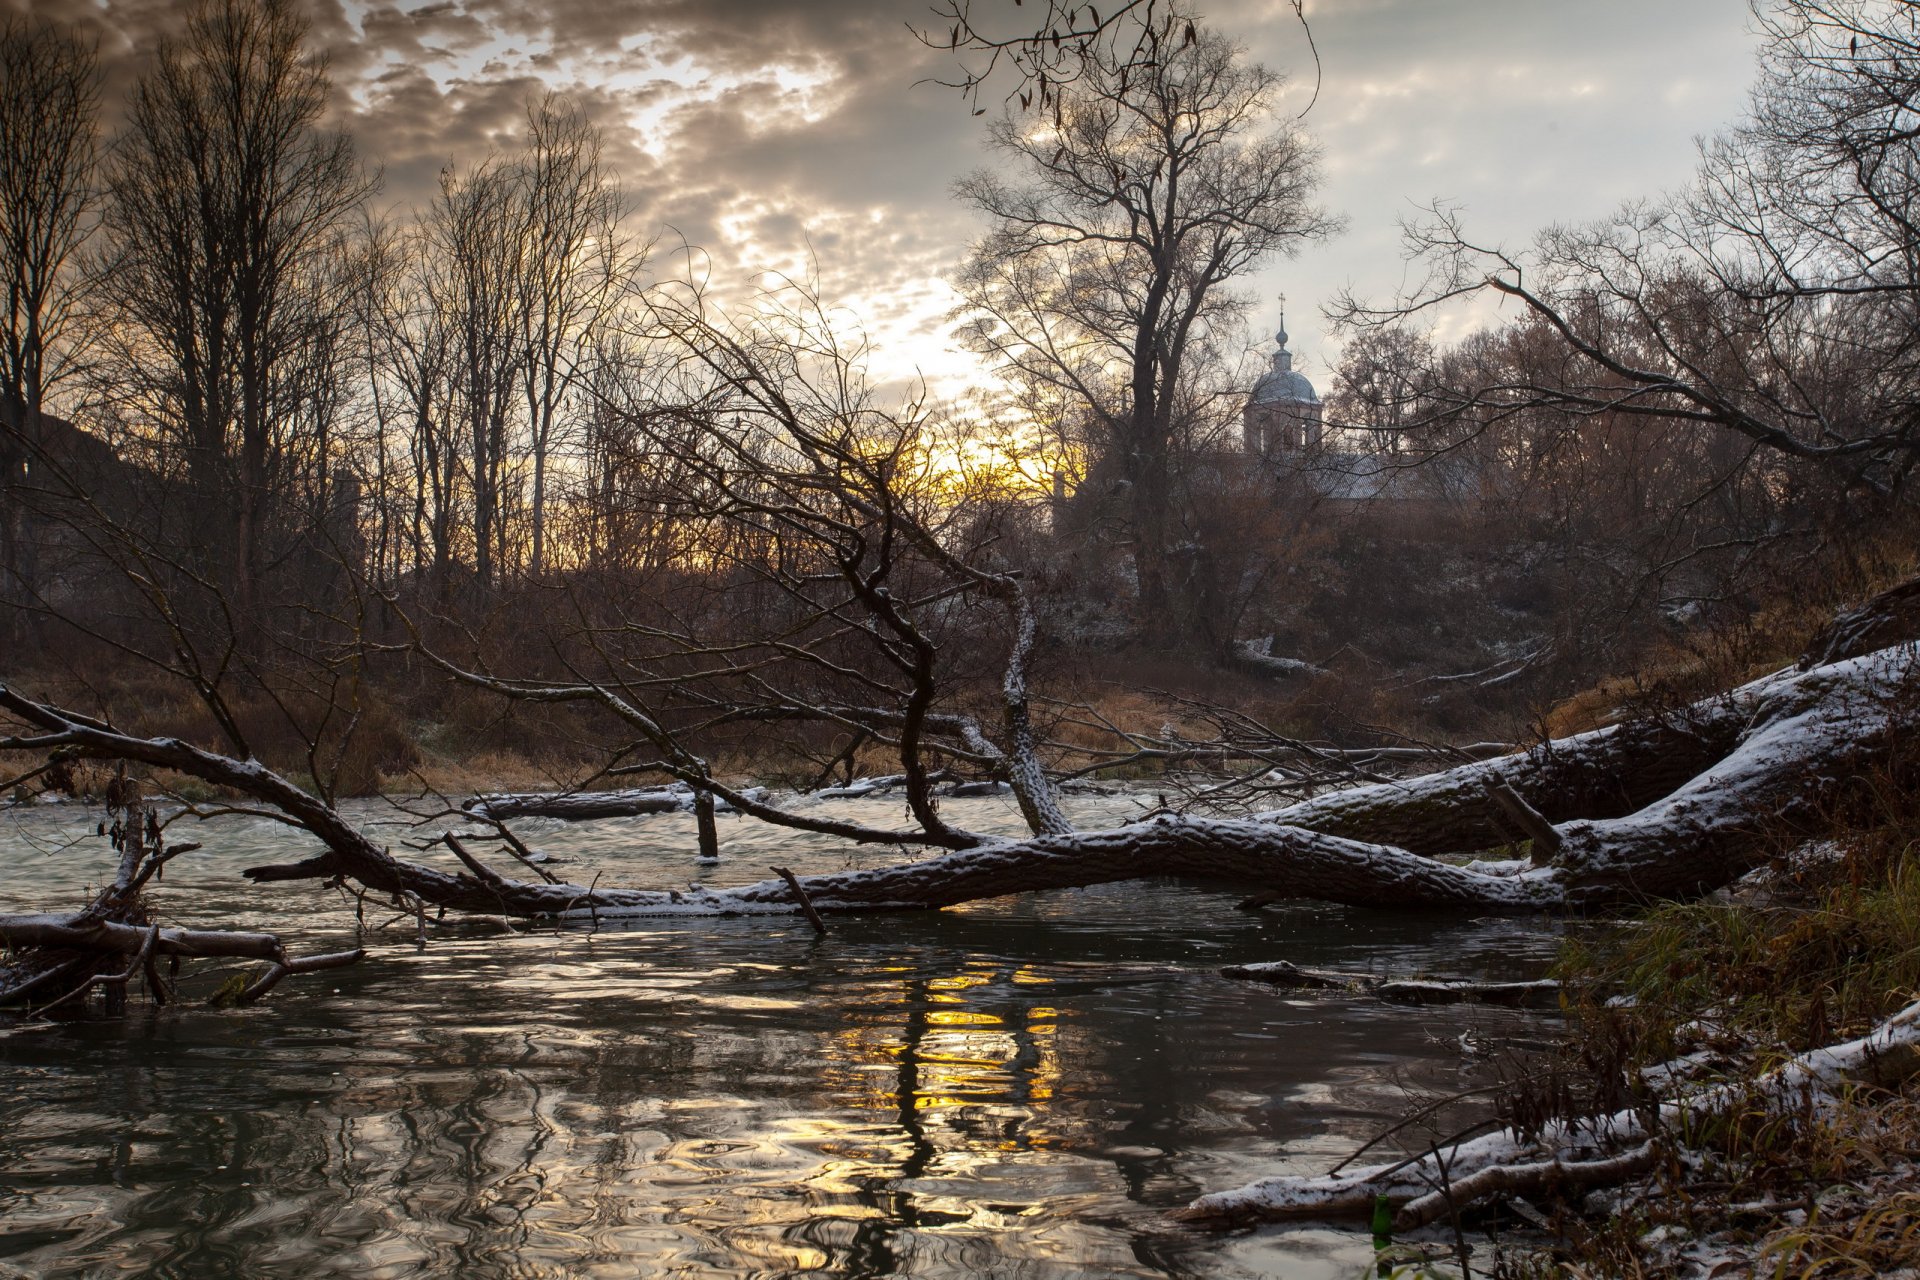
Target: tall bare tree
48 122
228 207
1777 299
1105 270
575 257
411 350
476 235
511 277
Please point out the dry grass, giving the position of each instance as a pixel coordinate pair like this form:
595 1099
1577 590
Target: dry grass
1876 1241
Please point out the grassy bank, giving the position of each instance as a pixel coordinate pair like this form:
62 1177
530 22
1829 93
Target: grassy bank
1814 949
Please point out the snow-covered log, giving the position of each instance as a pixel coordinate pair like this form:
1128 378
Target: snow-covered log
1604 773
1257 655
867 788
862 788
1803 733
581 806
1540 993
1567 1154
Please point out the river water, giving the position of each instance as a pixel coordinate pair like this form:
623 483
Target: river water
1013 1089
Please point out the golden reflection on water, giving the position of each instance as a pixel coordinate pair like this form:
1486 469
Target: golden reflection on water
931 1095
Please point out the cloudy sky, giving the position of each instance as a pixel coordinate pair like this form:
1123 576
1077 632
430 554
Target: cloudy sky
772 133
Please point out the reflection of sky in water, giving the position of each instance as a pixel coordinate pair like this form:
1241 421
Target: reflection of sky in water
1013 1089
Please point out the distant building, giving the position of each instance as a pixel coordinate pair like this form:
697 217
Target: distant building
1285 429
1283 414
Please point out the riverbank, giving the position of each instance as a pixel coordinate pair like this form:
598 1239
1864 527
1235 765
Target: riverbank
1816 948
1798 765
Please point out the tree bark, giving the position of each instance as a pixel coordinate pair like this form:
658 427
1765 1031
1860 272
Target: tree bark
580 806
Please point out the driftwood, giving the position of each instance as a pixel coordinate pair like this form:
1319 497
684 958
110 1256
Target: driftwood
866 788
800 894
1783 744
58 959
582 806
1541 993
877 785
74 937
1586 1152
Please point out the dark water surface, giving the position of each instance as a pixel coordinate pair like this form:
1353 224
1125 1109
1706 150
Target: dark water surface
1017 1089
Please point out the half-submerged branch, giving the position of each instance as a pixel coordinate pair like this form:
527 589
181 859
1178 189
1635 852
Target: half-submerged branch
583 806
58 959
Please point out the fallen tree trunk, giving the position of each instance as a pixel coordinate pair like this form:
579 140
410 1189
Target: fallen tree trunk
1802 733
1540 993
83 940
1790 739
59 958
1580 1153
1604 773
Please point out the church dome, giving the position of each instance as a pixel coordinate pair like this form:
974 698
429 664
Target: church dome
1284 386
1280 384
1282 416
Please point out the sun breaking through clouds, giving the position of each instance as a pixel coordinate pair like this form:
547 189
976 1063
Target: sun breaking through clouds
806 139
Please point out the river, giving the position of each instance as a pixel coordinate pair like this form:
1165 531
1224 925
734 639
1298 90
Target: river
1016 1089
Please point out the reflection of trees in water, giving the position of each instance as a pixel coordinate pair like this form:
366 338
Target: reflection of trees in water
986 1073
850 1131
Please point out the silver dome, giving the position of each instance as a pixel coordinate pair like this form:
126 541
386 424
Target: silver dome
1284 386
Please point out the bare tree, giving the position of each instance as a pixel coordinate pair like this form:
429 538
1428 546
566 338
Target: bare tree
48 121
1775 299
227 212
1104 273
475 239
1044 49
575 259
815 587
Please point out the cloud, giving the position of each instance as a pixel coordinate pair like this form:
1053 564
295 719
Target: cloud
1524 112
778 133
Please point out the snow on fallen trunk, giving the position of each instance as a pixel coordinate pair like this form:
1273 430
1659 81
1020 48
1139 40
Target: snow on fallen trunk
581 806
1607 773
867 788
1568 1154
1258 655
1299 863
